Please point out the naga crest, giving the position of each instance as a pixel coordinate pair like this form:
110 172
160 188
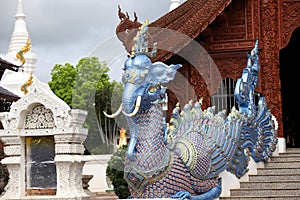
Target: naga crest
138 68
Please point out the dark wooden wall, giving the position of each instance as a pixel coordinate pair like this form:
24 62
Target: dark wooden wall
231 35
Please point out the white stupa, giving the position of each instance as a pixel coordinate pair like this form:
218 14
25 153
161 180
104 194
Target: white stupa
14 80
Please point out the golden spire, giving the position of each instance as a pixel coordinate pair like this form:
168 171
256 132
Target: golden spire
25 49
24 87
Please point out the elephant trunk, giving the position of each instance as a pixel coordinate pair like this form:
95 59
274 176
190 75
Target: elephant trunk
133 128
129 99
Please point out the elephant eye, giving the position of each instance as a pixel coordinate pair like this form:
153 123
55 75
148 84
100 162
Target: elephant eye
126 76
129 76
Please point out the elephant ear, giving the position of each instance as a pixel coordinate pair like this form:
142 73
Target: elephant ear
161 73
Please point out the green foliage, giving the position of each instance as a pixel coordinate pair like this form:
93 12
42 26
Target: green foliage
87 86
91 77
115 172
62 83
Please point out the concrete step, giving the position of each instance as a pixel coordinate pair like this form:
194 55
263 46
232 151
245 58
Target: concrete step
274 177
290 153
288 184
289 197
278 180
264 192
284 164
278 171
285 158
292 150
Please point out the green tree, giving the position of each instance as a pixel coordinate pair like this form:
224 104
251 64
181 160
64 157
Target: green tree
115 172
88 87
91 77
62 82
108 99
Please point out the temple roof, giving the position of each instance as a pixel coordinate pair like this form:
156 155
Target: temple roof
4 93
7 95
7 65
188 20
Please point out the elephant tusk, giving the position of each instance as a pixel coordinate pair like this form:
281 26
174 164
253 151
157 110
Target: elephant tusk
136 108
114 114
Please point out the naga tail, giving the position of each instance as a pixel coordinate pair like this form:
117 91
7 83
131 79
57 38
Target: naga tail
258 137
209 143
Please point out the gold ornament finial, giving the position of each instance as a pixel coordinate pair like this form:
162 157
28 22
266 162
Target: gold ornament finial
25 49
24 87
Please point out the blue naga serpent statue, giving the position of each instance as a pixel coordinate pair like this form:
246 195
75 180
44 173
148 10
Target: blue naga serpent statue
183 158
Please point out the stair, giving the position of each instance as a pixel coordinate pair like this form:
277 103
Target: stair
278 180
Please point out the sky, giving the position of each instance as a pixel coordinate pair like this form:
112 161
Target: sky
65 31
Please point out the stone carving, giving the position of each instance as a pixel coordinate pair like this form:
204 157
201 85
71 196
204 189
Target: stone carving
39 118
41 113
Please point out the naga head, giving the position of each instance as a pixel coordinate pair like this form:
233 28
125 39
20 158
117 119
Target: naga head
143 82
